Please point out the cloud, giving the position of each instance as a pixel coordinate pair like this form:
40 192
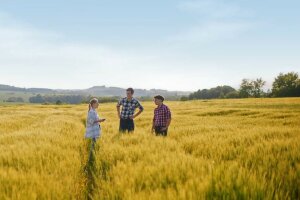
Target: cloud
37 48
23 43
214 20
211 31
30 57
211 8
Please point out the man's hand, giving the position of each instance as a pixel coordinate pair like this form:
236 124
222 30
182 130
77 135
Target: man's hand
164 128
137 114
118 111
152 130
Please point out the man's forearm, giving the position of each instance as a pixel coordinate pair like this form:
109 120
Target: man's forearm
118 110
153 126
138 113
168 123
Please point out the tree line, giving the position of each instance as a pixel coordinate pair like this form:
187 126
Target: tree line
284 85
68 99
76 99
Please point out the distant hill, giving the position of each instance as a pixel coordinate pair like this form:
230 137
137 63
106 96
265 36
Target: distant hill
28 90
93 91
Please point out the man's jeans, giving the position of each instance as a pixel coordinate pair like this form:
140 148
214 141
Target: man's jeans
159 131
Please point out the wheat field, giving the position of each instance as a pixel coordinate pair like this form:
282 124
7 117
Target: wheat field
216 149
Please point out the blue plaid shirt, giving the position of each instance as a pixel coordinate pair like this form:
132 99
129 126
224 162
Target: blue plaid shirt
128 107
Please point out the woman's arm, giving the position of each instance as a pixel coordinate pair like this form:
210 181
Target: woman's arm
94 119
90 119
99 120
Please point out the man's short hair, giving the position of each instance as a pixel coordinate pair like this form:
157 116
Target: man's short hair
159 97
130 90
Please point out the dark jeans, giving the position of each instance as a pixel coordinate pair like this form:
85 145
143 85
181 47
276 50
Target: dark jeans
158 131
126 125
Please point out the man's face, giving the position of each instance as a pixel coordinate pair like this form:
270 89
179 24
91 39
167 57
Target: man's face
129 94
157 101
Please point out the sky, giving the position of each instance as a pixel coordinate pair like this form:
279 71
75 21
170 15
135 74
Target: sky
163 44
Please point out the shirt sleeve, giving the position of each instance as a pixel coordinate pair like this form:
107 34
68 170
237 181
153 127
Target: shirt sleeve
91 118
168 113
96 116
120 102
138 105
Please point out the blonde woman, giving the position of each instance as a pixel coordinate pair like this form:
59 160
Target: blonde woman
93 128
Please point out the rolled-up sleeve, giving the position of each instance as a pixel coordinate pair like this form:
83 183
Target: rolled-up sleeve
139 105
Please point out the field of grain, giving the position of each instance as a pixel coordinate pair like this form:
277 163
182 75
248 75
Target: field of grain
216 149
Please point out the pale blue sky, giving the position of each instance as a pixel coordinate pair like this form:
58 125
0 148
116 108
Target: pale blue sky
175 45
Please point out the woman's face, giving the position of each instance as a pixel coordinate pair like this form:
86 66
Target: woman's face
95 105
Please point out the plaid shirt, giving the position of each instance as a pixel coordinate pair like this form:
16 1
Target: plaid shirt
128 107
161 115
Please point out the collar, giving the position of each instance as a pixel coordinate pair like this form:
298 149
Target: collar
160 105
128 99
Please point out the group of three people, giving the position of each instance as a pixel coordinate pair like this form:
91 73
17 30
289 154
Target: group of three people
160 124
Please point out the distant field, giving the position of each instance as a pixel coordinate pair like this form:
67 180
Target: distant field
4 95
216 149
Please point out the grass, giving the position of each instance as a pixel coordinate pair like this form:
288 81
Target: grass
217 149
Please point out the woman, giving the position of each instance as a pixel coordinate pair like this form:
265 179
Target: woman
93 128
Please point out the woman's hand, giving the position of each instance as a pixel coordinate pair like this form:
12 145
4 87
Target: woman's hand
99 121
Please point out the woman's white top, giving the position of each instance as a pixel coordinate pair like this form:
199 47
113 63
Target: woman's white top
93 129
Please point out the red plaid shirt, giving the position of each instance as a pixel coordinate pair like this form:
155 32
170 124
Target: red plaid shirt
161 115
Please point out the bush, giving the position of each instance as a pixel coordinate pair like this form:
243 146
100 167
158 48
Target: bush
15 99
184 98
232 95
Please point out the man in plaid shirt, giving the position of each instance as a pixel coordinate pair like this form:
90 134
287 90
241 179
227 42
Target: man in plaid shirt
129 105
162 117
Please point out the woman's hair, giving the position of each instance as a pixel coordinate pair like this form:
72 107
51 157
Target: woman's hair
92 101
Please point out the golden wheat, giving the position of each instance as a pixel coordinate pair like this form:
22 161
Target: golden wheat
216 149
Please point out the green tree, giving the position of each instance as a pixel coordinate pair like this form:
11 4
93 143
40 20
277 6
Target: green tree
15 99
58 102
232 95
251 88
246 88
257 87
212 93
286 85
184 98
37 99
